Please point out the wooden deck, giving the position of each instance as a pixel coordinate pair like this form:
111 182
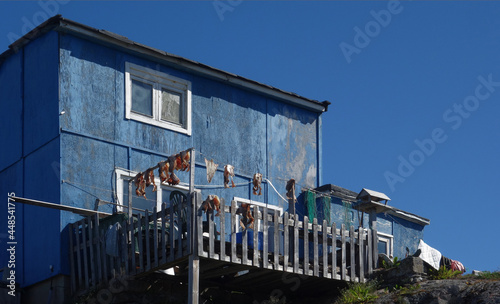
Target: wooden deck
279 243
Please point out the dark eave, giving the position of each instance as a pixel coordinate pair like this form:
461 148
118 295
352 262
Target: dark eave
61 24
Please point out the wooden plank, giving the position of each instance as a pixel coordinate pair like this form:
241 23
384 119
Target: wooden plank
155 237
315 248
97 247
375 248
353 253
148 240
132 245
190 219
296 261
325 250
334 251
256 236
276 241
342 250
126 253
181 231
286 245
171 235
244 246
265 238
104 255
72 257
85 259
361 244
211 234
199 225
234 258
369 251
140 240
222 238
306 245
163 244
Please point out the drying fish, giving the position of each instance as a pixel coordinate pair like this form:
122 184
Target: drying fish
211 168
173 179
290 190
140 183
185 157
163 168
211 203
247 218
150 178
228 172
257 181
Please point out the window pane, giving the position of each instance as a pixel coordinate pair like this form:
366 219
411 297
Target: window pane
142 98
171 107
382 247
139 201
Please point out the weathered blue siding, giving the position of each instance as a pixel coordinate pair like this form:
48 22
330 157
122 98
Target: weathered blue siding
12 109
230 125
30 143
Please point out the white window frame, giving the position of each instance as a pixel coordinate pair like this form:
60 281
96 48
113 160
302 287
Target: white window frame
159 80
257 222
388 240
123 175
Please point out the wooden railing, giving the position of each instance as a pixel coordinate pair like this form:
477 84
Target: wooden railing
286 244
143 243
277 242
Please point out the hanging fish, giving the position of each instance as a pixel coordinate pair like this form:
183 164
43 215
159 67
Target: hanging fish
211 203
257 181
228 172
211 168
290 190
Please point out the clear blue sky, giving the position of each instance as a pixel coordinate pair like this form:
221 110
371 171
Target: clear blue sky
414 86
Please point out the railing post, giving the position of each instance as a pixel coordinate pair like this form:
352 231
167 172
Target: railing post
194 259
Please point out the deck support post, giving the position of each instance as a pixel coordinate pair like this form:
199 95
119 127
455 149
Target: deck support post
194 258
373 226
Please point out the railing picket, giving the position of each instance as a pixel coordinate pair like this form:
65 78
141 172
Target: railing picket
139 238
342 250
375 248
181 231
234 226
256 236
199 222
132 244
361 245
369 251
125 247
334 251
163 242
148 240
325 250
265 238
306 245
296 261
72 258
211 235
155 236
85 262
171 235
286 245
222 237
277 242
353 253
315 248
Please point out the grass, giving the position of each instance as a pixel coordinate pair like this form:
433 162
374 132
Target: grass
485 275
443 273
358 293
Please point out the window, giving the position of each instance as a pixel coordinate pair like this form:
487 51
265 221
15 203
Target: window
385 244
139 203
157 98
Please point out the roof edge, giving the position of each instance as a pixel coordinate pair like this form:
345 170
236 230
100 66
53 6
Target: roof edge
61 24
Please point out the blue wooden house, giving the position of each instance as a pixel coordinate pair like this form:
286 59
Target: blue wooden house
86 110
